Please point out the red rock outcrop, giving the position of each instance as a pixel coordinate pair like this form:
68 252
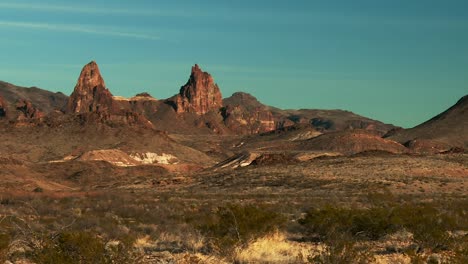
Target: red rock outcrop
244 114
200 95
90 93
27 111
94 103
254 121
3 110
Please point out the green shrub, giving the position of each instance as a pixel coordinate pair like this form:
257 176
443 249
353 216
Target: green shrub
73 247
360 223
236 225
428 224
5 240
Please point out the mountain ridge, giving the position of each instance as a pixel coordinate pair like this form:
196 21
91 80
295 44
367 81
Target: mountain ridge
444 131
198 108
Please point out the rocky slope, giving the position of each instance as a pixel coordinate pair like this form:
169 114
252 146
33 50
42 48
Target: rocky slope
3 109
351 142
19 102
442 132
244 114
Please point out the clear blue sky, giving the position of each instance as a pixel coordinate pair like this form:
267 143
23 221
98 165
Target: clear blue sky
399 61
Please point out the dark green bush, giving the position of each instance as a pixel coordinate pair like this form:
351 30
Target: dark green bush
361 223
430 226
73 247
5 240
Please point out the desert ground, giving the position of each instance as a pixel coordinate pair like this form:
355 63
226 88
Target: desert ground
366 208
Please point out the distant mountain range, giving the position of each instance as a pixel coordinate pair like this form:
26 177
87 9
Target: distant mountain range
51 126
198 108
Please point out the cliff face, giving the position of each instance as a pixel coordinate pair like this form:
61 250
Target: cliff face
90 93
200 95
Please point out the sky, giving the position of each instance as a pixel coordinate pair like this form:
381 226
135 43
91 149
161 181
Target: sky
399 61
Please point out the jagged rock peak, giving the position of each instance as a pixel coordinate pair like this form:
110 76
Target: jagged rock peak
90 93
200 95
90 76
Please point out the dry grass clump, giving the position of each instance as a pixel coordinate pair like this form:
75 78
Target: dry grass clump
237 225
275 248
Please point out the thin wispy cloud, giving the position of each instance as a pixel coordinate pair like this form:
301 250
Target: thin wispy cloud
77 28
90 9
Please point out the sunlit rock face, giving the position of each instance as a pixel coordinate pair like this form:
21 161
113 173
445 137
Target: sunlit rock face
200 95
90 93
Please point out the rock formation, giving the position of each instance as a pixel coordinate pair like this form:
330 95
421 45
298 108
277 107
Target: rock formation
27 111
3 110
200 95
42 99
245 114
241 120
95 104
90 93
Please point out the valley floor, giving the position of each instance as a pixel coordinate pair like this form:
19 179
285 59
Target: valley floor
367 208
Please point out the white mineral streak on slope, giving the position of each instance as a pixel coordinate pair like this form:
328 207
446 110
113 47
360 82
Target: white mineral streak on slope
151 158
113 156
119 158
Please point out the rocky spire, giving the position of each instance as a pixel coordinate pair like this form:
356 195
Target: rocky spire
200 95
90 94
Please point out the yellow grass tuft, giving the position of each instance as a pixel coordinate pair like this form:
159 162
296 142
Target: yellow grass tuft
274 248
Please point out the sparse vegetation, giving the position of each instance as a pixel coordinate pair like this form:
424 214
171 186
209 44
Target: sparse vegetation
300 213
234 226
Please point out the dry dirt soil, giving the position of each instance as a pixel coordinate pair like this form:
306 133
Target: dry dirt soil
164 212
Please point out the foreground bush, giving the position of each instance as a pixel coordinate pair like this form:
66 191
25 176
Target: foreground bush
430 226
4 244
360 223
81 247
236 225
